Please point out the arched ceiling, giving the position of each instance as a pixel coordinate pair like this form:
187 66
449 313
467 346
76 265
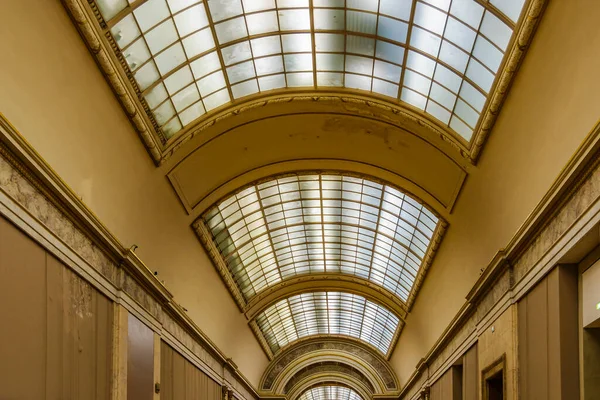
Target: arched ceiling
319 146
330 393
176 64
272 238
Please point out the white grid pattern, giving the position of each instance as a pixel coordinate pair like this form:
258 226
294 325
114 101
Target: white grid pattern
321 223
330 393
332 313
190 56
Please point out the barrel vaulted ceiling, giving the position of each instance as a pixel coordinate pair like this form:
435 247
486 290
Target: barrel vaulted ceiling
353 125
180 65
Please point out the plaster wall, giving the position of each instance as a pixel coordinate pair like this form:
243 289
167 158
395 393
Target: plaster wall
56 97
552 106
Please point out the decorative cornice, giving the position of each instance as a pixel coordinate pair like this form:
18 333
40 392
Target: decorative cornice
436 239
513 59
99 40
207 242
325 282
347 97
261 339
322 368
79 11
311 348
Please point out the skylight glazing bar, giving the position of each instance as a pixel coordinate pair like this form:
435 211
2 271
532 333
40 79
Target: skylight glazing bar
327 313
321 223
330 393
439 56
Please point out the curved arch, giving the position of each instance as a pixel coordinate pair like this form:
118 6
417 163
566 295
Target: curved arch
348 140
337 101
328 356
328 368
350 167
302 354
330 391
296 224
333 379
323 314
325 282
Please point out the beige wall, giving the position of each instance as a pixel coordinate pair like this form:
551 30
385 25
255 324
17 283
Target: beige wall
56 329
54 94
552 105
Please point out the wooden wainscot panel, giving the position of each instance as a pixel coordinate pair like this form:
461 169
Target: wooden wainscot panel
548 338
56 329
181 380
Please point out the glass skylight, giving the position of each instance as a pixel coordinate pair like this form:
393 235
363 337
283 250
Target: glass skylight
321 223
324 313
330 393
189 57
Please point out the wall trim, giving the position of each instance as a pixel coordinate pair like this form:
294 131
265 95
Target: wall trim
126 280
505 281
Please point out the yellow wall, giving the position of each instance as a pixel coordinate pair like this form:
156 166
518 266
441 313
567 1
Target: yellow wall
56 97
551 107
54 94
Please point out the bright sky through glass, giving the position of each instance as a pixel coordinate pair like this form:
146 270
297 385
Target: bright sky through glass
321 223
330 313
189 57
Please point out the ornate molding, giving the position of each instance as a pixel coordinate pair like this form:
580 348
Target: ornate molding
86 25
359 104
326 367
321 282
48 211
436 239
513 58
311 348
215 256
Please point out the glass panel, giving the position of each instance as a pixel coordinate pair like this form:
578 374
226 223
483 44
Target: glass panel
170 58
224 9
263 45
110 8
156 96
161 36
269 65
510 8
300 237
330 392
244 89
262 23
337 313
192 113
330 79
